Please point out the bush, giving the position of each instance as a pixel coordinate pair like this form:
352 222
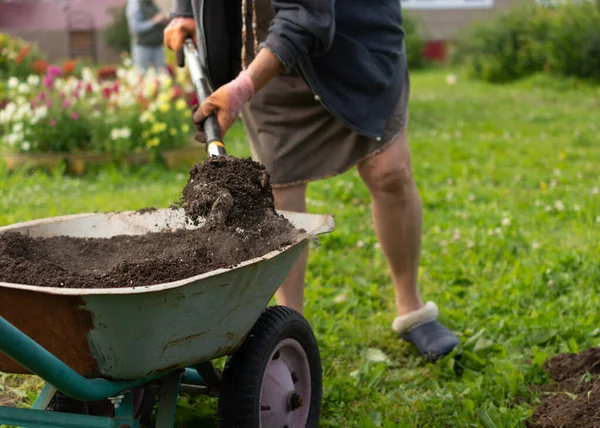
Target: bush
563 39
116 34
574 42
415 43
65 114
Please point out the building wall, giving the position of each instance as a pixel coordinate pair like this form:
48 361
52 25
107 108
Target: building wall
444 25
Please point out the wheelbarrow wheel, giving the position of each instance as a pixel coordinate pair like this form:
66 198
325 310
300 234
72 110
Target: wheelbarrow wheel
274 379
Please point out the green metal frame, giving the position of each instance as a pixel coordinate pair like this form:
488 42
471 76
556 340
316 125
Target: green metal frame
60 377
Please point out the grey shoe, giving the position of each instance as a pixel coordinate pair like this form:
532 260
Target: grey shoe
421 328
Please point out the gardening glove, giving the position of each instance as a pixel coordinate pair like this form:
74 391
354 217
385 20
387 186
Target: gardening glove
226 102
178 30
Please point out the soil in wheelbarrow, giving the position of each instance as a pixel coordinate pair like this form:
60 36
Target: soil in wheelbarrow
572 398
234 194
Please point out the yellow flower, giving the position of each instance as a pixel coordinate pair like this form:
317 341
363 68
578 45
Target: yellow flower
180 104
172 131
543 186
158 127
164 98
164 108
185 128
153 142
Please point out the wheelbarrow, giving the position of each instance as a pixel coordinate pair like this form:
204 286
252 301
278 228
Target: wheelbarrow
108 355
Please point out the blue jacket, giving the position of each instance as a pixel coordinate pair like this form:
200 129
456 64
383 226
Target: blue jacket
350 52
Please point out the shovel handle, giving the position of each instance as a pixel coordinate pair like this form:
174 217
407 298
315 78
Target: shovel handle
212 131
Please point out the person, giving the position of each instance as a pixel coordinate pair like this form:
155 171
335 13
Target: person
323 87
146 25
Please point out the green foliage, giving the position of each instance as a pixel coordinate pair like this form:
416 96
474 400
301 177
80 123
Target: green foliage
18 58
574 41
511 196
563 39
415 43
116 34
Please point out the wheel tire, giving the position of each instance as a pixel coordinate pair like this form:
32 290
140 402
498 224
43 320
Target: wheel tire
281 343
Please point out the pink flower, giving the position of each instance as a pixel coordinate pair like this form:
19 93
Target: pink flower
74 115
49 103
54 71
66 104
106 92
76 94
88 88
79 85
42 96
49 82
115 87
52 122
61 95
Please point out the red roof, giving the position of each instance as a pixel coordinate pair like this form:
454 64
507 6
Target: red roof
56 14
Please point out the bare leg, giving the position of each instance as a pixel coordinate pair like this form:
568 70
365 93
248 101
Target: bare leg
397 216
291 292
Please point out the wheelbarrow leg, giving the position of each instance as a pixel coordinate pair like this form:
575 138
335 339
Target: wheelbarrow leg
167 405
46 395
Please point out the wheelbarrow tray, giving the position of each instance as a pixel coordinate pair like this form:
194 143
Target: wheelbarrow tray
137 332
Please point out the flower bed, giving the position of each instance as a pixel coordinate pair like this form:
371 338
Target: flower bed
120 115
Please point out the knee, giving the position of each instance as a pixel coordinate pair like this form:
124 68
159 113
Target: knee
389 177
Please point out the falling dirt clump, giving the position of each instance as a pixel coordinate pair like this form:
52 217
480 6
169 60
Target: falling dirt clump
573 398
233 194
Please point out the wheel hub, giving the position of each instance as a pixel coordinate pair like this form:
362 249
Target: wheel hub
286 388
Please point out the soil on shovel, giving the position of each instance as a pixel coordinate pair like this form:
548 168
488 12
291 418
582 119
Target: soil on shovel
573 398
233 194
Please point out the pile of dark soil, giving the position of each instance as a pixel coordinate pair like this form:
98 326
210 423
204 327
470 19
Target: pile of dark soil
573 398
234 194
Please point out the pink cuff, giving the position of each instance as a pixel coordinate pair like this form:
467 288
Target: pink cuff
239 91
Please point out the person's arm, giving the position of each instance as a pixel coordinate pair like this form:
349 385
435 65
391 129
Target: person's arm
136 20
299 29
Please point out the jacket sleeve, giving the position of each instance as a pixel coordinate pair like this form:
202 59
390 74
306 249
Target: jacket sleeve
300 28
183 8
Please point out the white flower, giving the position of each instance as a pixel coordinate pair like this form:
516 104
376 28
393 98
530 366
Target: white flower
23 88
535 245
114 134
127 62
125 133
598 219
25 146
577 208
548 208
18 127
471 197
470 244
595 191
449 196
87 75
456 235
33 80
451 79
360 244
559 205
121 72
13 82
12 139
41 112
505 222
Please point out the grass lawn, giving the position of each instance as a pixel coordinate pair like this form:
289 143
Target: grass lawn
511 192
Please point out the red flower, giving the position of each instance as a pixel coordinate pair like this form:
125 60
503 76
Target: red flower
68 67
39 66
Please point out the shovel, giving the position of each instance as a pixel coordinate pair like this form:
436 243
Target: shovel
219 199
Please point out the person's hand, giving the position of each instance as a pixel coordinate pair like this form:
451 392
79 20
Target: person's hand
178 30
226 102
159 17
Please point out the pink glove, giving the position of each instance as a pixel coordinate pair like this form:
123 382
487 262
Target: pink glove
227 101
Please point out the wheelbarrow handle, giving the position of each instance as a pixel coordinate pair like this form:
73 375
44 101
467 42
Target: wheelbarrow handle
212 131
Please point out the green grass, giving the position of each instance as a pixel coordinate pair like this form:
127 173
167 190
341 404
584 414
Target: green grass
511 192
